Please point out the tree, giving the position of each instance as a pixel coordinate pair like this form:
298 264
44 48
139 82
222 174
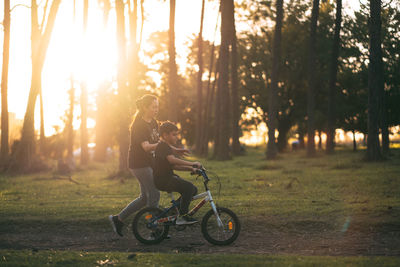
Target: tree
42 141
234 84
355 58
69 128
199 98
273 88
332 79
256 64
391 53
172 77
84 99
312 79
208 51
221 146
103 120
134 46
4 82
39 43
123 96
375 80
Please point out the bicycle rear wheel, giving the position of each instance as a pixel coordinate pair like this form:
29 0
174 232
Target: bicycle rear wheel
220 235
146 229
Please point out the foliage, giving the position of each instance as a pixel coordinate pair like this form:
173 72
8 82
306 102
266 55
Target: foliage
353 75
255 69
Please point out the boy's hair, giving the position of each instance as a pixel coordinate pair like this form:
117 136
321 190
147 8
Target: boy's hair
167 127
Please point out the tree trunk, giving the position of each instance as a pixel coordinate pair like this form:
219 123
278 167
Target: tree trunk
217 111
235 85
222 150
312 79
173 76
70 121
133 51
354 140
375 81
4 83
39 43
319 139
283 129
209 100
332 80
384 124
69 127
102 121
123 138
84 131
42 140
200 111
106 10
301 140
84 99
273 88
102 124
209 108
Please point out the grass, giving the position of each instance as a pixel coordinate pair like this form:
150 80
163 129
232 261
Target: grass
292 193
73 258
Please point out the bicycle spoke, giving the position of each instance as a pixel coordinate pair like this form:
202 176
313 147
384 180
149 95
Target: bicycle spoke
221 233
146 229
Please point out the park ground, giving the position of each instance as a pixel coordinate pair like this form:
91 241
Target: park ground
327 210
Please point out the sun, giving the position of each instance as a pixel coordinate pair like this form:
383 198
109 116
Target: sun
76 57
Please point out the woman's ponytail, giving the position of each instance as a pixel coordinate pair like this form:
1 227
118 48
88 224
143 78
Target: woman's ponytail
142 103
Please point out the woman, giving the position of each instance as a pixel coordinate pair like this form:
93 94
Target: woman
144 139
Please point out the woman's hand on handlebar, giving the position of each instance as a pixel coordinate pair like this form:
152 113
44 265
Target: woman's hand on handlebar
194 171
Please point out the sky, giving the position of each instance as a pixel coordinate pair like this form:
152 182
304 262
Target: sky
90 58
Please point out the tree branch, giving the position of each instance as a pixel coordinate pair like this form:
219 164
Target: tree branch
44 14
19 5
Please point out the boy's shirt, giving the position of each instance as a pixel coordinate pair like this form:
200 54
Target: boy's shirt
162 168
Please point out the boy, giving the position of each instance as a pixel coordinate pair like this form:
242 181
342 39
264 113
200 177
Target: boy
164 177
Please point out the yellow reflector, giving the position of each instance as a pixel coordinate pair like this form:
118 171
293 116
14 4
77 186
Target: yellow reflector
230 225
149 216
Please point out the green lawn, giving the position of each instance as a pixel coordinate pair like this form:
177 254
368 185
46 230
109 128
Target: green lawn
293 194
73 258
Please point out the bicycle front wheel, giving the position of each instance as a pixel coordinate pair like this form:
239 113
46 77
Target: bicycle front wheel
145 227
220 235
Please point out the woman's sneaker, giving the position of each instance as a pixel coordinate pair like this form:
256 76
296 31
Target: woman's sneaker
185 219
116 224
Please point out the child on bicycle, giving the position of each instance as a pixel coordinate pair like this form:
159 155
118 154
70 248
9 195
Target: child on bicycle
164 177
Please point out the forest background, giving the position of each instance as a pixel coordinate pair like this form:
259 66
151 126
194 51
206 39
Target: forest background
304 72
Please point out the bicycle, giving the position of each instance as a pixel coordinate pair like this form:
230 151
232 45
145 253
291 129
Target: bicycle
219 226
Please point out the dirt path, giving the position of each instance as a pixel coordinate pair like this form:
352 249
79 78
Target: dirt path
261 237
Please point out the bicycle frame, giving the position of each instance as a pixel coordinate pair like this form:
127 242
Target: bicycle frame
207 197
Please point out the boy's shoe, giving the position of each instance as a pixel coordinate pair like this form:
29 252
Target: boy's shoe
185 219
116 224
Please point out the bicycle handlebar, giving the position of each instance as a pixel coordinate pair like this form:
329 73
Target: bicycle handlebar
198 170
201 172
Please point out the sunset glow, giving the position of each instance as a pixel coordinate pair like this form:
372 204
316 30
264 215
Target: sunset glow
89 58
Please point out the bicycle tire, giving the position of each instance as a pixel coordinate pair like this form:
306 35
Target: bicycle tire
230 229
145 233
